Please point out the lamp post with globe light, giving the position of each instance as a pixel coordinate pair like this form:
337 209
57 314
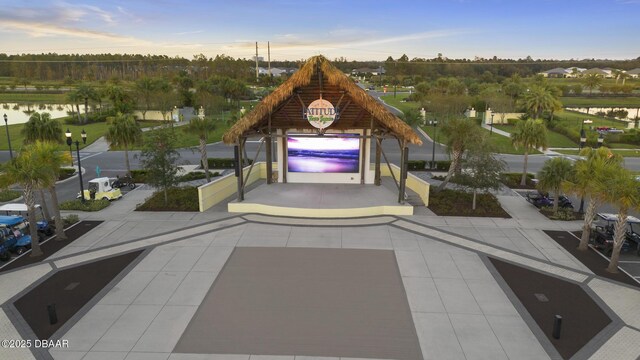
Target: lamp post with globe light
70 141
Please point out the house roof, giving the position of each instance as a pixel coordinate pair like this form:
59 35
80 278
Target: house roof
283 104
557 71
634 71
596 71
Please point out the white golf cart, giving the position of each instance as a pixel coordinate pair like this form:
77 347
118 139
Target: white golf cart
100 188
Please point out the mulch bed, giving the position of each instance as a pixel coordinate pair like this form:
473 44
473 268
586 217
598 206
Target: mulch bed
591 259
68 290
449 202
582 318
52 245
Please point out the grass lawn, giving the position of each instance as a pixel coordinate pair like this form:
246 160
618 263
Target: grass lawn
623 152
25 98
94 131
397 103
556 140
501 143
185 139
584 101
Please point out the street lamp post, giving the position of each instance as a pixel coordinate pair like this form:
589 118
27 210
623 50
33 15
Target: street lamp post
83 134
433 149
6 126
69 142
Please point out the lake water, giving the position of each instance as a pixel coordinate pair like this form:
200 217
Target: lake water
633 112
20 113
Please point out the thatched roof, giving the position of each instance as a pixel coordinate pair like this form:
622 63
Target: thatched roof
332 76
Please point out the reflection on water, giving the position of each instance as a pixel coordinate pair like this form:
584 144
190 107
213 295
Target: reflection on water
20 113
632 112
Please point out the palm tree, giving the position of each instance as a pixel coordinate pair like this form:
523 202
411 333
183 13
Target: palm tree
86 92
74 98
52 161
553 173
592 81
145 88
202 127
27 170
588 179
538 100
624 193
124 131
459 133
41 127
530 135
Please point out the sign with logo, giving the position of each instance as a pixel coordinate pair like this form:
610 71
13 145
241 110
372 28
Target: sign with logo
321 114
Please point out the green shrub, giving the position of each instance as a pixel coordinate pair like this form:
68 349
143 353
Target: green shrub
139 176
222 163
70 220
563 214
458 203
512 180
416 164
180 199
8 195
88 205
196 175
441 165
66 173
512 121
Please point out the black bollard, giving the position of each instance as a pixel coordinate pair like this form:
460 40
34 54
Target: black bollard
557 326
53 317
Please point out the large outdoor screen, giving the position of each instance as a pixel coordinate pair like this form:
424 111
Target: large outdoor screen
323 154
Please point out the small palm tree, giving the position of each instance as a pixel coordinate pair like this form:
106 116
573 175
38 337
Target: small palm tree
124 132
589 180
553 173
27 170
459 134
623 192
52 161
42 127
529 135
202 127
86 93
592 81
538 100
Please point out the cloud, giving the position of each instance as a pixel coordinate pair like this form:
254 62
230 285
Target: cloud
189 32
39 29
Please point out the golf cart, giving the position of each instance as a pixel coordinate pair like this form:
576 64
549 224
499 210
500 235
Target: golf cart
100 188
539 200
21 210
603 231
13 235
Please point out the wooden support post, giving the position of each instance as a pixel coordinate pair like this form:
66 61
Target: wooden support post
284 156
363 156
269 160
377 180
403 173
240 163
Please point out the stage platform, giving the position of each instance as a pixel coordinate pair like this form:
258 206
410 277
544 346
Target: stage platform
321 201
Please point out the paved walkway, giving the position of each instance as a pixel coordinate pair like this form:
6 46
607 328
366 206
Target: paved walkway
460 309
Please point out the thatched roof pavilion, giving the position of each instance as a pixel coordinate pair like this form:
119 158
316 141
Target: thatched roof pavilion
284 111
284 105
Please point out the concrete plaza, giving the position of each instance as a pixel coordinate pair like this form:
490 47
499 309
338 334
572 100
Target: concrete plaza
457 305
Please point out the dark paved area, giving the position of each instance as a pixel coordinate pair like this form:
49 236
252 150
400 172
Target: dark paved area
52 245
315 302
589 258
69 290
582 318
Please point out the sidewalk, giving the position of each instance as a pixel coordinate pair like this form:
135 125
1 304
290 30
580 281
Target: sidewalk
458 308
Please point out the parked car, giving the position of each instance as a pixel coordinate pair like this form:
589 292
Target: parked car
14 233
603 230
540 200
100 188
21 210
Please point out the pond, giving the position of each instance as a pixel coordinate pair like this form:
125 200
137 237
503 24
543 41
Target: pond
632 112
20 113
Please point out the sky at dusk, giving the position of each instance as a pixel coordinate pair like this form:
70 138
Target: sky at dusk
298 29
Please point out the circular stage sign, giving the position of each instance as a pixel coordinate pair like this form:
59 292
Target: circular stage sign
321 114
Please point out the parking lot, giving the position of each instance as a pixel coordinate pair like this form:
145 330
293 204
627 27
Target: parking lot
629 260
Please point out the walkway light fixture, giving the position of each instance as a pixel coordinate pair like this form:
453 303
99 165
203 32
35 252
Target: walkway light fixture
70 141
6 126
433 149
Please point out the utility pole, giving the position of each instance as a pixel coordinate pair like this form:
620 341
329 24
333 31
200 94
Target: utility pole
269 59
257 63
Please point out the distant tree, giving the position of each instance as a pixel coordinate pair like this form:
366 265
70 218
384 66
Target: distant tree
553 174
124 131
41 127
459 133
145 89
86 92
538 100
529 135
159 158
412 117
75 98
591 81
481 169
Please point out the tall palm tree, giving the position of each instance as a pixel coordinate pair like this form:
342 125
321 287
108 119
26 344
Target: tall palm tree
459 134
41 127
624 193
123 132
553 173
592 81
529 135
202 127
52 161
27 170
75 98
86 93
589 179
145 87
